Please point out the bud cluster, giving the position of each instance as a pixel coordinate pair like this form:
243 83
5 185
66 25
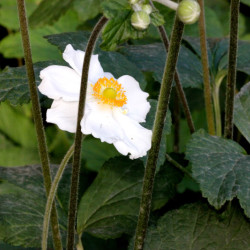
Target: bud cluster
140 19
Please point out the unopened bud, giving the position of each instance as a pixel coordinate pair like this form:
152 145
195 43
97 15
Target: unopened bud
147 8
140 20
188 11
133 1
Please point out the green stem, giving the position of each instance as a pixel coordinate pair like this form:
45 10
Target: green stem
42 146
153 153
176 122
216 99
232 62
180 91
205 68
178 165
51 196
78 136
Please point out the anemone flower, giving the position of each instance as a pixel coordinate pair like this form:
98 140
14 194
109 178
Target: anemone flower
114 108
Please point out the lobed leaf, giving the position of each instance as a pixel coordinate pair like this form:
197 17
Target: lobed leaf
196 226
221 168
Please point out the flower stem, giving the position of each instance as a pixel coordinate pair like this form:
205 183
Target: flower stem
51 196
178 165
180 91
172 5
42 146
153 153
176 121
205 68
78 136
231 76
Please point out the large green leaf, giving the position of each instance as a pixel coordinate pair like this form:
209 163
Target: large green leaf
112 62
221 168
242 111
48 11
196 226
11 46
9 14
152 58
87 9
110 206
14 84
22 210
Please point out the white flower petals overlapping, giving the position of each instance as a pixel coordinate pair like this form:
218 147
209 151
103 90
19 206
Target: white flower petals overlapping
117 125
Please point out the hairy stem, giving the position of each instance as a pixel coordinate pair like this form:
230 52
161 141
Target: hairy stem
78 136
170 4
153 153
42 146
178 165
51 196
176 122
231 76
180 91
205 69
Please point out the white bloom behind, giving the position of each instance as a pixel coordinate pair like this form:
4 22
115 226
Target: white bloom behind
113 110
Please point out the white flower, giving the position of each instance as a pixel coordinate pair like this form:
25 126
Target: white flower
113 110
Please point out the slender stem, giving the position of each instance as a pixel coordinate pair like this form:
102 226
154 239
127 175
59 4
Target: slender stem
205 69
51 196
180 91
216 99
231 76
78 136
42 147
178 165
176 122
172 5
162 107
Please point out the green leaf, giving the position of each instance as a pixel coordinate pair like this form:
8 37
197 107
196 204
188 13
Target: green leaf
118 30
156 18
196 226
48 11
112 62
95 152
11 46
87 9
165 184
9 14
221 168
247 2
22 212
242 111
14 84
112 8
152 58
110 206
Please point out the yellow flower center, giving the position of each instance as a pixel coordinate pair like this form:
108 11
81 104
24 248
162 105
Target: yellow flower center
109 91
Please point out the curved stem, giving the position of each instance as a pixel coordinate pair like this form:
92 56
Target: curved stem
180 91
205 69
170 4
42 146
78 136
51 196
153 153
231 76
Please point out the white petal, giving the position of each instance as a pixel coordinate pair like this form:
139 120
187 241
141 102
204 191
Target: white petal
100 123
137 103
75 59
60 82
137 139
63 114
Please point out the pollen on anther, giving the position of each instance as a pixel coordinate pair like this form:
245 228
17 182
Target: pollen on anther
117 99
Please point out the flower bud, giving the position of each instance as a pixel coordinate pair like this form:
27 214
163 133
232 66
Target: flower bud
188 11
133 1
140 20
147 8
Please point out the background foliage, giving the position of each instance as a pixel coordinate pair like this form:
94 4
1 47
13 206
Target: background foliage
186 208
